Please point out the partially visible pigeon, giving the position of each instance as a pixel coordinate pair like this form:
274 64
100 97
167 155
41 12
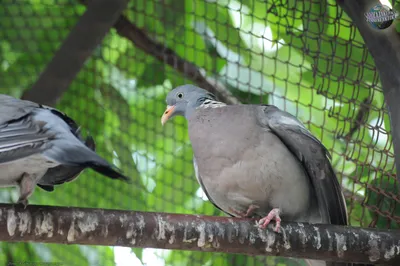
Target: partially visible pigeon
37 141
258 161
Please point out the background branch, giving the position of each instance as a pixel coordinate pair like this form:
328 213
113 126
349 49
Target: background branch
166 55
128 30
202 233
360 119
87 34
384 46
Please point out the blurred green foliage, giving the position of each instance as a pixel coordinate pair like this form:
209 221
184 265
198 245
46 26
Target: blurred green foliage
295 54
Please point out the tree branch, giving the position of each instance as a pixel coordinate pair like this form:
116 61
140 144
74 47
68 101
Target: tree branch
384 46
128 30
202 233
166 55
360 119
87 34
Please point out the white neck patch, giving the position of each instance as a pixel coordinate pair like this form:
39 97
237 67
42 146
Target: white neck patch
211 104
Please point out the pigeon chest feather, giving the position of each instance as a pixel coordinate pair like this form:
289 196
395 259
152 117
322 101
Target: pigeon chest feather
242 163
217 131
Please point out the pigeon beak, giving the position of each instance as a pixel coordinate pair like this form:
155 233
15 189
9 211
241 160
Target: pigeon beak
167 114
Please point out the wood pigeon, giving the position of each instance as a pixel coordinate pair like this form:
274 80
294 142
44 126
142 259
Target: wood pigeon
258 161
37 141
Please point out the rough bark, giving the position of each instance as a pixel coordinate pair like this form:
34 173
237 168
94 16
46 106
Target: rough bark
202 233
87 34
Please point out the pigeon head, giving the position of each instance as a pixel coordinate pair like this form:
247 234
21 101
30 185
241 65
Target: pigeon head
183 100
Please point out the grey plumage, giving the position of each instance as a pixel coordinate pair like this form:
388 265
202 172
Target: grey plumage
258 161
36 141
63 173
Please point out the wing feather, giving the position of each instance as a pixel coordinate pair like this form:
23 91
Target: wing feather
315 159
20 138
64 173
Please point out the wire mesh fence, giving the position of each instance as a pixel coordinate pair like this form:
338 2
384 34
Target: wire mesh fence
305 57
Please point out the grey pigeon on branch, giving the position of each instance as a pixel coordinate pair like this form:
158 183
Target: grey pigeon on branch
258 161
37 141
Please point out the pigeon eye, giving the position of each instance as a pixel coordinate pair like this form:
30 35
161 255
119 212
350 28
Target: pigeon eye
180 95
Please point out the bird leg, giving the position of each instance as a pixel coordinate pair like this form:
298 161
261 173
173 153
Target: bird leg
273 214
248 213
26 188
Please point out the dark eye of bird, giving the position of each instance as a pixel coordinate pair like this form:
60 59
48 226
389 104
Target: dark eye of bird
180 95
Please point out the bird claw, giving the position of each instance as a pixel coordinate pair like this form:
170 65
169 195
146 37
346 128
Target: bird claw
26 188
248 213
272 215
23 201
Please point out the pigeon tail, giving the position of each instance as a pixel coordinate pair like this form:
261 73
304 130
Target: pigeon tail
64 173
80 155
107 170
101 166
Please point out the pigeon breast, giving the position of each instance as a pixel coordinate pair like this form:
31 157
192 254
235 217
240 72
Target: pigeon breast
241 163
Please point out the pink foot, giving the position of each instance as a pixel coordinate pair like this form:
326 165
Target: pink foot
248 213
26 187
273 214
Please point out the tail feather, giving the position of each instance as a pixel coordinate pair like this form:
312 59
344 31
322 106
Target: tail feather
82 156
101 166
46 188
108 171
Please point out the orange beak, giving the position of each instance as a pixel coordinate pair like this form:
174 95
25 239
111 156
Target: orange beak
167 114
